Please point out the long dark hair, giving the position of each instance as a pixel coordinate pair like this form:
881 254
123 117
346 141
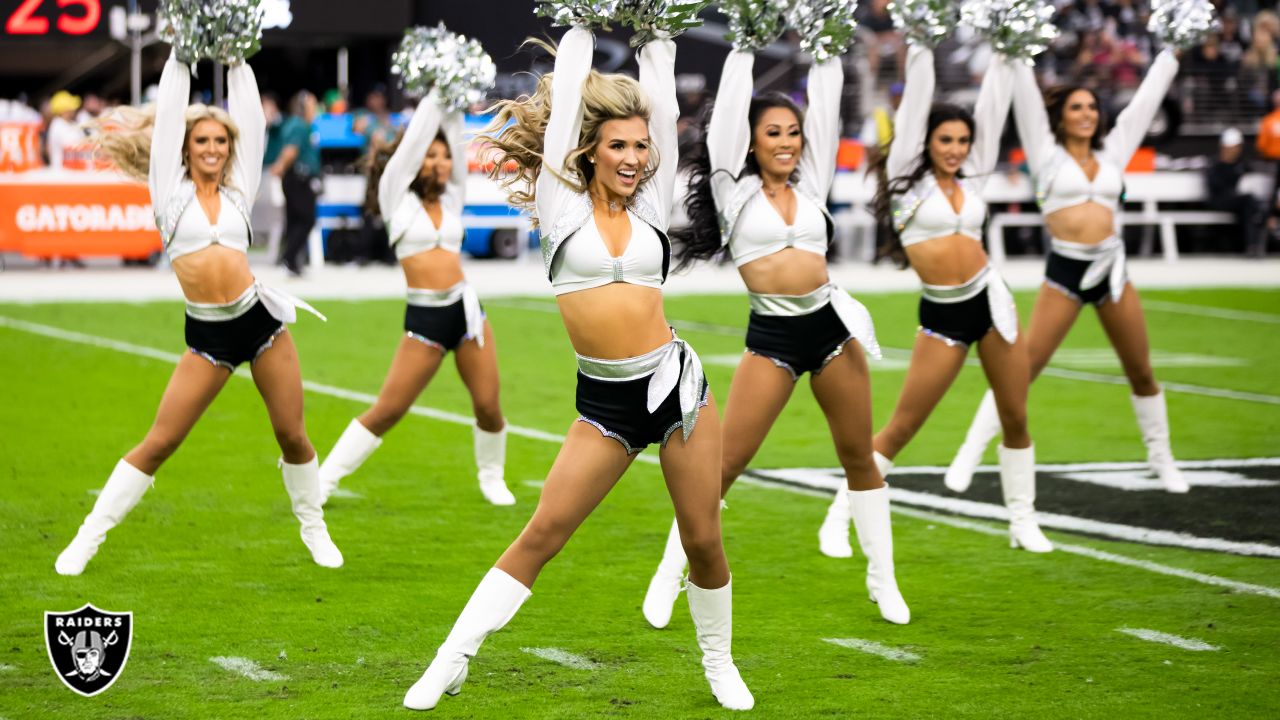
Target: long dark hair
700 239
375 161
886 187
1055 104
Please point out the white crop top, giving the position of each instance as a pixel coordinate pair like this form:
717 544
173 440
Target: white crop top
584 262
755 229
194 232
761 232
422 234
409 228
178 213
928 212
937 218
1060 181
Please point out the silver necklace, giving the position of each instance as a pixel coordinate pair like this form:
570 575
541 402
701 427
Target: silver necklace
773 192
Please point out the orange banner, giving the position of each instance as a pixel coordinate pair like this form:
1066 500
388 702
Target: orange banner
19 146
72 219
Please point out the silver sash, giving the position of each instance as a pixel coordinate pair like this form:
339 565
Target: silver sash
444 298
853 314
1106 261
282 305
665 369
1004 314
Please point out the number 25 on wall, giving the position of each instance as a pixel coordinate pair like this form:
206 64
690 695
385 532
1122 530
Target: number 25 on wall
23 21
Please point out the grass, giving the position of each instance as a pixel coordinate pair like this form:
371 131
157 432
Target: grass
211 565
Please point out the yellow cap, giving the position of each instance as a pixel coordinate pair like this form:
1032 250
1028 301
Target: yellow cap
63 101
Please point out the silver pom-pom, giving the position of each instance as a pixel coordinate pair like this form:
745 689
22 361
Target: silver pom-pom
754 24
226 31
826 27
653 18
648 18
579 13
1015 28
1182 23
456 67
924 22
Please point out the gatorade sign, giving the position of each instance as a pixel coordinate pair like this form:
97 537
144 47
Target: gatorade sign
76 218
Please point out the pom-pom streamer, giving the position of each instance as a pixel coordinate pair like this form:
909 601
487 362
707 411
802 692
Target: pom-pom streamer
457 68
226 31
755 24
1182 23
826 27
925 22
1015 28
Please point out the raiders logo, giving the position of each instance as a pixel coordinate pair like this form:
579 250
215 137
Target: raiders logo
88 647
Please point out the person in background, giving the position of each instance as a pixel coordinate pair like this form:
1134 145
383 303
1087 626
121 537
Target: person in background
1223 180
1268 144
91 108
373 121
268 207
298 167
63 131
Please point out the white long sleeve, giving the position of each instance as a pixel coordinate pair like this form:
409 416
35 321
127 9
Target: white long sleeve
244 105
168 132
454 127
573 64
1134 121
406 162
911 123
822 128
989 115
658 80
1031 118
728 131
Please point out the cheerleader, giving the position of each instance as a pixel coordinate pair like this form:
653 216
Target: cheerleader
598 168
421 193
1078 174
203 166
931 195
760 183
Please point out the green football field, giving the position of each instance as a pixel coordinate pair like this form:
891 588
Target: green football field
232 620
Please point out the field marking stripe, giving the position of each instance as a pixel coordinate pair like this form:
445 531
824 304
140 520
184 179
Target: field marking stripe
1102 555
828 481
562 657
644 457
1156 636
874 648
1053 371
247 668
1208 311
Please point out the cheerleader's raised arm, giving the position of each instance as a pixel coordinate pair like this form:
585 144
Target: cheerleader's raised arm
657 60
406 162
1134 121
911 123
169 132
822 128
244 105
573 64
728 131
989 115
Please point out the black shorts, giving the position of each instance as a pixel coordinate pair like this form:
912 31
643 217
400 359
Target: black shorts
440 327
228 343
1064 275
798 343
963 323
620 410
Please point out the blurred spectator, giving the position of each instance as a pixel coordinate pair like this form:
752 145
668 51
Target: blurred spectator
1268 145
1223 180
91 108
882 39
275 122
373 121
63 131
1258 67
1234 36
298 168
334 102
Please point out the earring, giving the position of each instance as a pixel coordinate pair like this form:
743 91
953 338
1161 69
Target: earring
591 160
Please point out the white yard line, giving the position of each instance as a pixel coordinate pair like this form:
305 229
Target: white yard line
1102 555
828 481
247 668
1207 311
5 667
1156 636
875 648
132 349
562 657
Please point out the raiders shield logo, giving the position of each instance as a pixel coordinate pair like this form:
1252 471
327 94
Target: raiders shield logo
88 647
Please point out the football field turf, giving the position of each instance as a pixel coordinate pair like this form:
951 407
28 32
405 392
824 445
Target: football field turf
232 620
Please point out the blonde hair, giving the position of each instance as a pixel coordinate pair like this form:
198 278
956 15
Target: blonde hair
124 137
604 98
